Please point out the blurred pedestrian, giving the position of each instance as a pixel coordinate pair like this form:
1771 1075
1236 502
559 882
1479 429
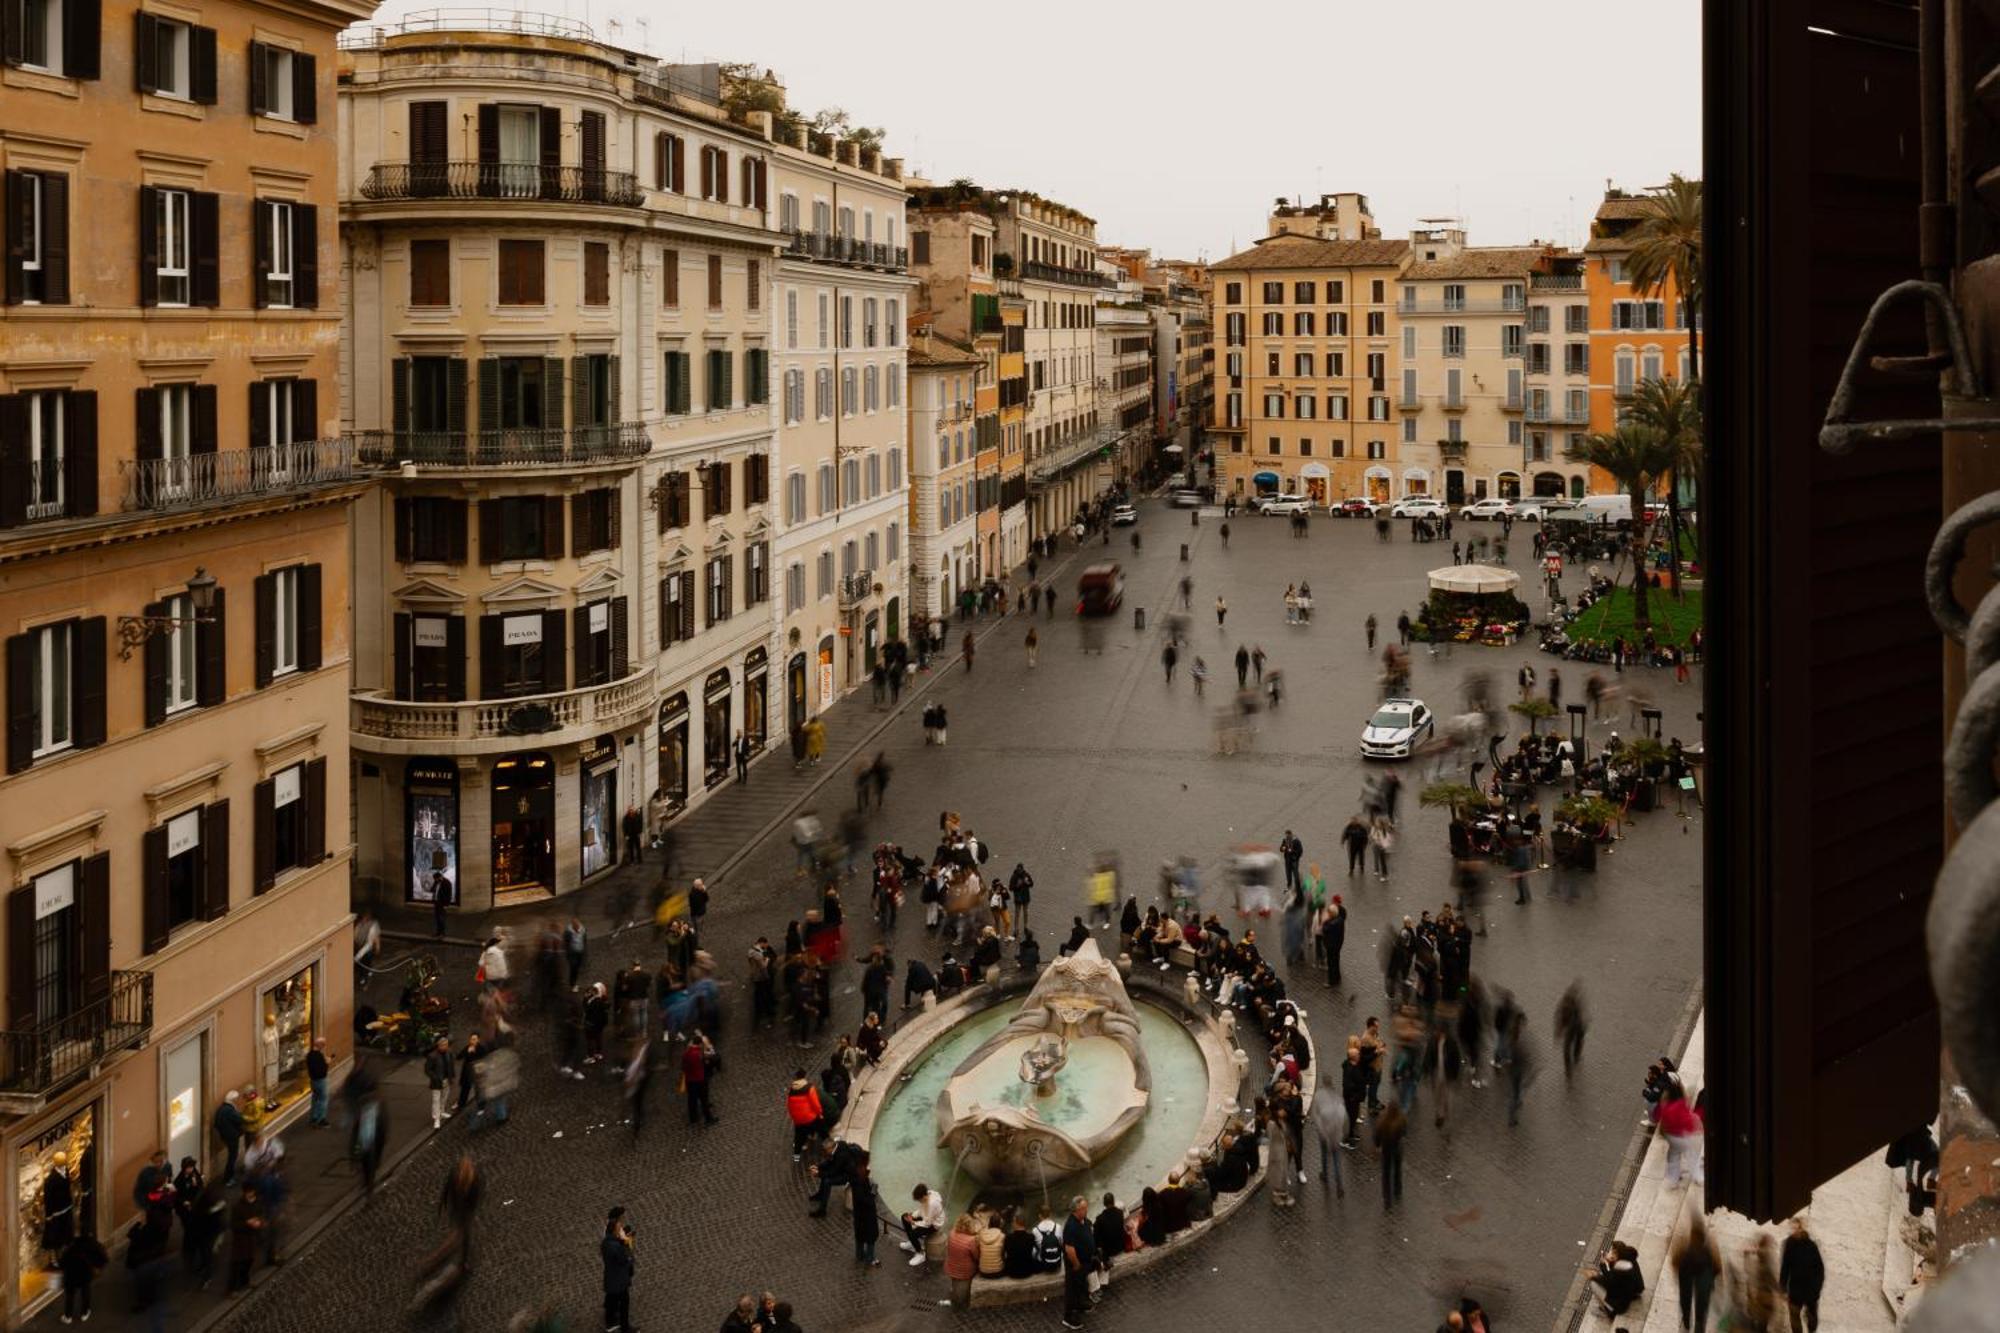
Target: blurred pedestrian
620 1260
1571 1025
1389 1129
1801 1273
1697 1263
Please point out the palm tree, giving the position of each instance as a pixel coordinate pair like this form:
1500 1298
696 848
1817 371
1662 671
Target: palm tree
1667 244
1672 407
1636 455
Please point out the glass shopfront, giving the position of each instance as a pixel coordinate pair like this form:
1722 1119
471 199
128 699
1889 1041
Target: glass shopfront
55 1175
430 818
795 693
674 748
716 737
757 698
286 1027
599 788
186 1071
524 825
824 669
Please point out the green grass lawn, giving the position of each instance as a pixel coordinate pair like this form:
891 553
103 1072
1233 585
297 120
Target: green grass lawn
1673 618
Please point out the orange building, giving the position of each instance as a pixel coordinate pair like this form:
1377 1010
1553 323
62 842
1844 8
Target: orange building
1634 336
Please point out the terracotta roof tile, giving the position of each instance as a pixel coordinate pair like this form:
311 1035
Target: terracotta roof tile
1278 252
1496 262
1630 208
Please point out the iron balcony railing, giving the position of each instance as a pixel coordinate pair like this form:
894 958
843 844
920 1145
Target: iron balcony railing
1076 277
47 1058
834 248
856 588
1557 416
45 490
191 480
1505 305
1452 451
1555 282
521 447
501 180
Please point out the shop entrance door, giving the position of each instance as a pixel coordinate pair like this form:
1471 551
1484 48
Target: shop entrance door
524 820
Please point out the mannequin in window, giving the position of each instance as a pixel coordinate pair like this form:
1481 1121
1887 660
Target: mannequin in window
58 1207
271 1057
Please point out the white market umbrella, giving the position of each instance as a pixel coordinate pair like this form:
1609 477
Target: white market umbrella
1474 579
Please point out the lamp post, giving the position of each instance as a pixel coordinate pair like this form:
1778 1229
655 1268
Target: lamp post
136 630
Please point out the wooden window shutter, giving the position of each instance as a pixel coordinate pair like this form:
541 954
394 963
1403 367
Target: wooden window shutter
263 835
455 531
260 95
13 460
666 608
399 395
552 527
552 393
762 181
552 653
205 245
491 646
260 409
591 136
405 631
580 644
145 53
146 425
489 394
707 173
579 387
670 277
753 293
311 591
153 655
660 167
492 524
454 394
687 605
714 281
20 702
201 65
305 408
153 891
305 256
55 237
620 646
88 655
454 651
267 628
489 132
403 521
721 177
582 530
149 234
212 654
83 38
18 221
215 861
94 897
315 794
21 959
79 452
305 88
551 152
680 164
206 435
614 519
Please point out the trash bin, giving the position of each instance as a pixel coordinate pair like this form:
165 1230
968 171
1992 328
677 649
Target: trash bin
1184 551
1138 617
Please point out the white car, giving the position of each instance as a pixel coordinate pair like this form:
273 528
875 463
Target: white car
1189 498
1417 506
1537 508
1395 729
1489 508
1284 503
1124 516
1357 506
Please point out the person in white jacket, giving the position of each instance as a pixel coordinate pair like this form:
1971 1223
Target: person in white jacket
493 961
925 1222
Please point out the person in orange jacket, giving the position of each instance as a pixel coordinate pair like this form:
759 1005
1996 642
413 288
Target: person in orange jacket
802 1104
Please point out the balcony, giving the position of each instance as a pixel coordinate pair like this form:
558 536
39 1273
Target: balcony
495 726
1448 403
1557 416
526 447
1452 451
833 248
1034 271
1052 463
501 180
1498 305
1555 282
192 481
854 589
40 1062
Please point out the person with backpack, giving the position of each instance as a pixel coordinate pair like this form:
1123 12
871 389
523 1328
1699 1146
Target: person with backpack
802 1105
1048 1244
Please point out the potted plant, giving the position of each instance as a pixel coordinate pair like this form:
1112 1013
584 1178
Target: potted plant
1535 710
1461 799
1578 821
1649 759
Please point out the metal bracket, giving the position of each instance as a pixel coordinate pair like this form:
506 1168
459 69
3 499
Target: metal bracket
1840 432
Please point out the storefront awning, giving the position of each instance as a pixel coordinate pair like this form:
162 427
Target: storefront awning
1474 578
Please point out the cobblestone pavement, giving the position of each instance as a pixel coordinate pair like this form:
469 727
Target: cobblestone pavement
1094 751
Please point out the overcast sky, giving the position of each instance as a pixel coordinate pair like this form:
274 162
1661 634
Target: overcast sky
1176 133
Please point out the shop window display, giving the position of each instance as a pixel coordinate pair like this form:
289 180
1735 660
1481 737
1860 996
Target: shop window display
55 1172
286 1036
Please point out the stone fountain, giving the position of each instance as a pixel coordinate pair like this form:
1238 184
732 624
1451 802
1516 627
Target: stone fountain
1055 1090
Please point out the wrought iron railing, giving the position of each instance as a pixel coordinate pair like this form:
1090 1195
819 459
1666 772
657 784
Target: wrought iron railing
856 588
49 1057
191 480
836 248
45 490
501 180
1076 277
1555 282
525 447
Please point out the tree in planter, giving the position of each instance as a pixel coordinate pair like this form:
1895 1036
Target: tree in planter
1673 407
1636 455
1536 710
1666 245
1585 815
1650 757
1459 798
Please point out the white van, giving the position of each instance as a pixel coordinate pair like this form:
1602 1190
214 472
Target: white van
1602 508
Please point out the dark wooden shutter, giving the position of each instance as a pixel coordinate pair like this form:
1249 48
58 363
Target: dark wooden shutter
552 527
305 256
305 409
582 531
662 168
154 911
205 433
13 460
489 148
146 425
721 177
492 521
83 38
88 656
20 702
153 657
552 393
553 660
149 236
94 903
305 88
311 590
614 519
580 644
707 173
403 520
201 65
212 651
80 452
205 243
1822 789
145 52
551 152
454 650
405 648
399 395
454 531
315 798
260 410
591 135
454 394
260 94
579 389
267 628
21 959
620 642
215 861
489 393
680 165
55 239
687 604
19 221
491 646
263 835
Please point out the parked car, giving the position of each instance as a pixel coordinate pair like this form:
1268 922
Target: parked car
1189 498
1536 508
1284 502
1395 729
1483 510
1123 516
1356 506
1417 506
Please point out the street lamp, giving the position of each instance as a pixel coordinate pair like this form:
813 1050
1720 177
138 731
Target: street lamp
136 630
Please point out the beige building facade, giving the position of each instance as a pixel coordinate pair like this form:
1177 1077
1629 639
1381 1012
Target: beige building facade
1558 376
945 546
174 514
